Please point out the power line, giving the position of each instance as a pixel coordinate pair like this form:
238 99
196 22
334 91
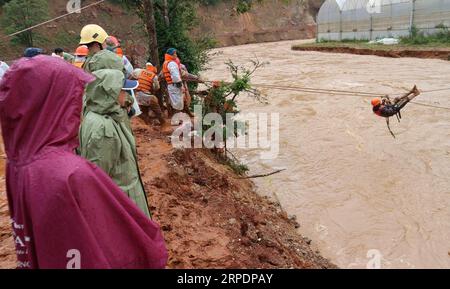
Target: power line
319 90
430 105
356 93
434 90
54 19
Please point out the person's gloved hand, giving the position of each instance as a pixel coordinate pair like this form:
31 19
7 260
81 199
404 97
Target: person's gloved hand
179 84
131 112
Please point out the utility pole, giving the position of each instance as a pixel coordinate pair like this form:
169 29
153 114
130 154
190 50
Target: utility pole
411 20
149 11
371 27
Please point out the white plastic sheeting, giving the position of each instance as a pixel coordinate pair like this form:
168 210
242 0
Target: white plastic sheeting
373 19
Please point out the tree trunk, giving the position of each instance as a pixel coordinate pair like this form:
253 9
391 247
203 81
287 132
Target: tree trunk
166 13
30 39
149 12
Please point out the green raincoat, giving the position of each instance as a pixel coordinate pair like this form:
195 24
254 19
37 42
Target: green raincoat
106 138
103 59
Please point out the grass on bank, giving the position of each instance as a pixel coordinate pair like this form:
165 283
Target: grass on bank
417 41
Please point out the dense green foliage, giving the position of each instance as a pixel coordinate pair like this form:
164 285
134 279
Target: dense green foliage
182 16
174 32
21 14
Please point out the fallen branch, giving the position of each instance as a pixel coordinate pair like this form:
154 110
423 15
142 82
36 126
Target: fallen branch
262 176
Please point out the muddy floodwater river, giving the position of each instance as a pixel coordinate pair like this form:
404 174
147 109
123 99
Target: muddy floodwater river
353 187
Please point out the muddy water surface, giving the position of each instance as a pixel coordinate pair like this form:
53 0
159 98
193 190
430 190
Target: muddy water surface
352 186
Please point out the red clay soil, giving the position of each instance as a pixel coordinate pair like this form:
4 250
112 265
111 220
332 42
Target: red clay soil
209 217
436 54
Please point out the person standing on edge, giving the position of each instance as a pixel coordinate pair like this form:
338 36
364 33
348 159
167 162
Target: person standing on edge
106 138
94 37
60 204
188 77
172 74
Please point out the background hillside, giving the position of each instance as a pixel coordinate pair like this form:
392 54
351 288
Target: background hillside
268 20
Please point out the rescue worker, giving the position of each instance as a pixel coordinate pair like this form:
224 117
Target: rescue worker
188 77
106 138
59 202
146 92
94 37
59 52
172 74
80 56
113 45
386 108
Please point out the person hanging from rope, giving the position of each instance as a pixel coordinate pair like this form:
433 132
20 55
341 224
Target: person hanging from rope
387 108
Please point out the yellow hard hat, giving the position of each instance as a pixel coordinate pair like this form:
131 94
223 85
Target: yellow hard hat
93 33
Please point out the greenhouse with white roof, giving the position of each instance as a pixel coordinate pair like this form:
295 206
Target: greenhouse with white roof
375 19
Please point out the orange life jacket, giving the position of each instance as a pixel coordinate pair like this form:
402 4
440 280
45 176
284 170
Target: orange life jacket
146 81
169 58
119 51
79 64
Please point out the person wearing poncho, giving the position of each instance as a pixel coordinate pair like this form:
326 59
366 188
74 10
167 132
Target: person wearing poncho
65 211
106 138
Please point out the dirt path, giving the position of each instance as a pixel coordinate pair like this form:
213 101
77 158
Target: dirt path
210 219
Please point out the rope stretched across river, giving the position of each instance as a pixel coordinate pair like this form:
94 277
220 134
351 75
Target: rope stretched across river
346 92
354 93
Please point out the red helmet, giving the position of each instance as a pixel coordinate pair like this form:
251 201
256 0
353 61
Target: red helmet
376 101
112 41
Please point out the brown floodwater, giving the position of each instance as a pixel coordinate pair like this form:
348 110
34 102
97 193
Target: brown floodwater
351 185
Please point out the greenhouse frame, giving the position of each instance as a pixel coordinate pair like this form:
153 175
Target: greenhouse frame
374 19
